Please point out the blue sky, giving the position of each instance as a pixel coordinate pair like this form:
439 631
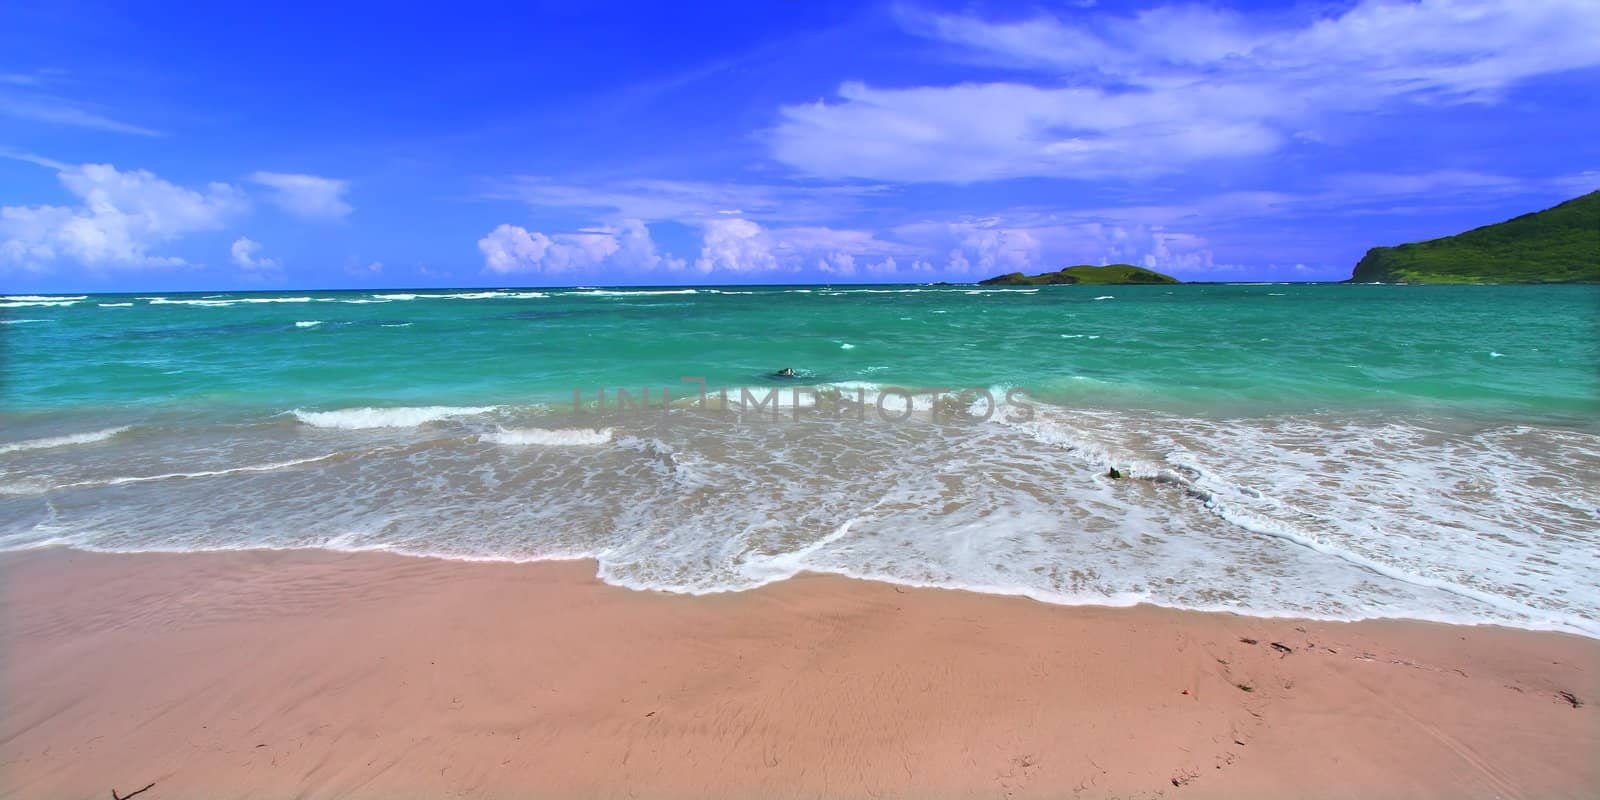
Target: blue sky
155 146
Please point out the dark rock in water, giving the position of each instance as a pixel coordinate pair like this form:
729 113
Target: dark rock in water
786 372
1113 474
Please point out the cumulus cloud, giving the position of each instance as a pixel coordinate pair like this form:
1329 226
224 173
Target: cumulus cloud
1177 252
306 196
120 216
245 256
742 246
628 246
736 245
1165 88
840 264
729 245
847 266
980 248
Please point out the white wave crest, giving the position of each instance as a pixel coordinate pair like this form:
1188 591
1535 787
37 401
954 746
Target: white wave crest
62 441
308 323
212 473
552 437
632 293
495 295
224 303
394 417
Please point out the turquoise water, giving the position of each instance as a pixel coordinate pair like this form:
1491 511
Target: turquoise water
1517 352
1335 451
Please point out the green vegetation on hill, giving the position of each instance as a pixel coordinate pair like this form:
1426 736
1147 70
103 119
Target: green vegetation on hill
1557 245
1110 274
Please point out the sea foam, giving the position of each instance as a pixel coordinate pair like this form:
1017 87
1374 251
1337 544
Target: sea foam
225 302
62 441
554 437
395 417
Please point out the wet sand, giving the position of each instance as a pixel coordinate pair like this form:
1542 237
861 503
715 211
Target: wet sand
320 675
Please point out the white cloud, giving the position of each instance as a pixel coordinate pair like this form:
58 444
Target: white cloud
977 132
53 111
1191 237
120 217
306 196
1170 87
840 264
690 202
627 246
1383 184
637 250
1181 252
1344 194
981 248
728 246
806 239
889 269
29 97
1577 184
736 245
244 252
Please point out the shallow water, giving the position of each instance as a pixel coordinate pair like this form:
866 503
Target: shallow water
1317 450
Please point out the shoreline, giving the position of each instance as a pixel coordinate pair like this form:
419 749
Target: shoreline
1019 594
321 674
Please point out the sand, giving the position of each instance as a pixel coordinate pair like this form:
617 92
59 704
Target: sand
318 675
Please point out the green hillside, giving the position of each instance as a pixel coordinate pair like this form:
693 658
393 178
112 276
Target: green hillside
1557 245
1109 274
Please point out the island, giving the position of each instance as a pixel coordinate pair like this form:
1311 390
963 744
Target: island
1556 245
1110 274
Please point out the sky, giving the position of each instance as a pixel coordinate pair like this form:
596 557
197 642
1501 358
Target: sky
155 146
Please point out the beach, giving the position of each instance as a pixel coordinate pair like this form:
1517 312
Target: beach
317 675
801 541
898 399
1276 458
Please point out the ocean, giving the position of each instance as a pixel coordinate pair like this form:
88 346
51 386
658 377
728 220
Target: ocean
1324 451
